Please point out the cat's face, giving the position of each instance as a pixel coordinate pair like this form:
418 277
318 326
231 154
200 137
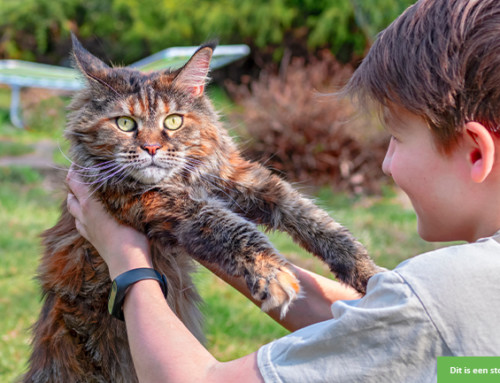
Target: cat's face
148 126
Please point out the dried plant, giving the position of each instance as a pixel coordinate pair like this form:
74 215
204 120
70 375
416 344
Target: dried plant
293 121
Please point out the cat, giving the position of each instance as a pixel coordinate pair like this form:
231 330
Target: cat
155 154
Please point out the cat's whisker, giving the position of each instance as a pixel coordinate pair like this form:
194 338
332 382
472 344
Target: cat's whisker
77 167
64 154
74 164
93 174
102 178
100 183
107 169
116 171
96 177
126 173
61 168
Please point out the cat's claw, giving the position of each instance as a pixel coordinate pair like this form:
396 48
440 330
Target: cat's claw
279 288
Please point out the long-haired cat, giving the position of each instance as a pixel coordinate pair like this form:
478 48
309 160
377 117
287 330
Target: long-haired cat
152 149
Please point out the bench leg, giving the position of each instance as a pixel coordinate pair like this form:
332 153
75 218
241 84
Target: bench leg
15 104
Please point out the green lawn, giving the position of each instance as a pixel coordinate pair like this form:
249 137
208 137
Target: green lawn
234 327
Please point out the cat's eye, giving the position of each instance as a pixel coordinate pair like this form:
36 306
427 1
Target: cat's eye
127 124
173 122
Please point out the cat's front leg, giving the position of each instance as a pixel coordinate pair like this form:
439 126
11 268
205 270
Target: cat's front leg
270 201
216 235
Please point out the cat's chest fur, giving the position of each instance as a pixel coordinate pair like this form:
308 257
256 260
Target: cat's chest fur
172 201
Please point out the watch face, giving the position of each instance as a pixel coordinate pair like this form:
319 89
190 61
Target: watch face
112 297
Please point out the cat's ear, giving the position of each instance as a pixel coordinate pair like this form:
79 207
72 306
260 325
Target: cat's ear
194 75
89 65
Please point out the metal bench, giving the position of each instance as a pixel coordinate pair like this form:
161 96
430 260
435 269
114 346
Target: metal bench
22 74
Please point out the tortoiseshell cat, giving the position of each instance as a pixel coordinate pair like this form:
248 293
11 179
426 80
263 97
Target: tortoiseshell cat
151 146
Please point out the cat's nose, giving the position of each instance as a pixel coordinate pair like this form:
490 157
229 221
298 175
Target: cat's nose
151 148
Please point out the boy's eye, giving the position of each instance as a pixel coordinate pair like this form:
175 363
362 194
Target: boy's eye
173 122
127 124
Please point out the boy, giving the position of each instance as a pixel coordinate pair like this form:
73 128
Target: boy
435 75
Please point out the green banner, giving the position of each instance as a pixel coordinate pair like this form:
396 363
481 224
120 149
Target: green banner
468 369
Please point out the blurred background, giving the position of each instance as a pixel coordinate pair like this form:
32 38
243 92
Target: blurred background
274 101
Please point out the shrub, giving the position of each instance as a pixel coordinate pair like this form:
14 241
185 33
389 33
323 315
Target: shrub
310 137
130 29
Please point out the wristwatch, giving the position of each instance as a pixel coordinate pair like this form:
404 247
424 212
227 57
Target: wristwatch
124 281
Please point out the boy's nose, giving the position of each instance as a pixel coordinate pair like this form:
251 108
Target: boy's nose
386 164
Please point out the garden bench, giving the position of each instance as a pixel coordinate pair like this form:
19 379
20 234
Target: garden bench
19 74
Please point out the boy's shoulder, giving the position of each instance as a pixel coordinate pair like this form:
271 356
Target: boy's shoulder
462 261
458 286
477 255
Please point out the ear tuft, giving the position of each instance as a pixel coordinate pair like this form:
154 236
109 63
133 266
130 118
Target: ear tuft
194 75
87 63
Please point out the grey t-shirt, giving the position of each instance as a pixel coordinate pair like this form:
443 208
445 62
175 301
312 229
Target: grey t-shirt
442 303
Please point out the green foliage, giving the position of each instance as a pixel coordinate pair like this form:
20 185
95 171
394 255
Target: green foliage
39 21
373 16
130 29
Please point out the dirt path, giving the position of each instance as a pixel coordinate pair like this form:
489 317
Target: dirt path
41 158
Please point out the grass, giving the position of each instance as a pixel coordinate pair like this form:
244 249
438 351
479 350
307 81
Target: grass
234 326
26 209
8 148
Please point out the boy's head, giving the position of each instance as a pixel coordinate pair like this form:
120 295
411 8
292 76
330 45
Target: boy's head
439 60
435 74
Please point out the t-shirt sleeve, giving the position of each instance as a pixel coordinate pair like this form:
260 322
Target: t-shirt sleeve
386 336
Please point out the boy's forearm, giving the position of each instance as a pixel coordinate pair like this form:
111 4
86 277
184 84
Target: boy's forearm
164 350
319 294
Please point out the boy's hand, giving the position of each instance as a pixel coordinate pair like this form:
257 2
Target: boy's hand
121 247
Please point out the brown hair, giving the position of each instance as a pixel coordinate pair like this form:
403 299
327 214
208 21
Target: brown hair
440 60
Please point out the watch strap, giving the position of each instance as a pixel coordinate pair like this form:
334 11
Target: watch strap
122 283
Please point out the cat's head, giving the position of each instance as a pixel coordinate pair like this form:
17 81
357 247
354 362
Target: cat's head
148 127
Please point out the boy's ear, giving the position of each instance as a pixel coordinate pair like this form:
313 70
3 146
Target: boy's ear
481 151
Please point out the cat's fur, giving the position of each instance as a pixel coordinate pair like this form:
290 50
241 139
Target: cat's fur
193 195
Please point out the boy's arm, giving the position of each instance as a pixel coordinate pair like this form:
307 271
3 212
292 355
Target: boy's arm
319 293
164 350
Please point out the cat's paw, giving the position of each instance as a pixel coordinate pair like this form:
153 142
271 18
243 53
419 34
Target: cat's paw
274 284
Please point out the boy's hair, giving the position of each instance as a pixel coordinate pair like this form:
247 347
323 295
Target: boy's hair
440 60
